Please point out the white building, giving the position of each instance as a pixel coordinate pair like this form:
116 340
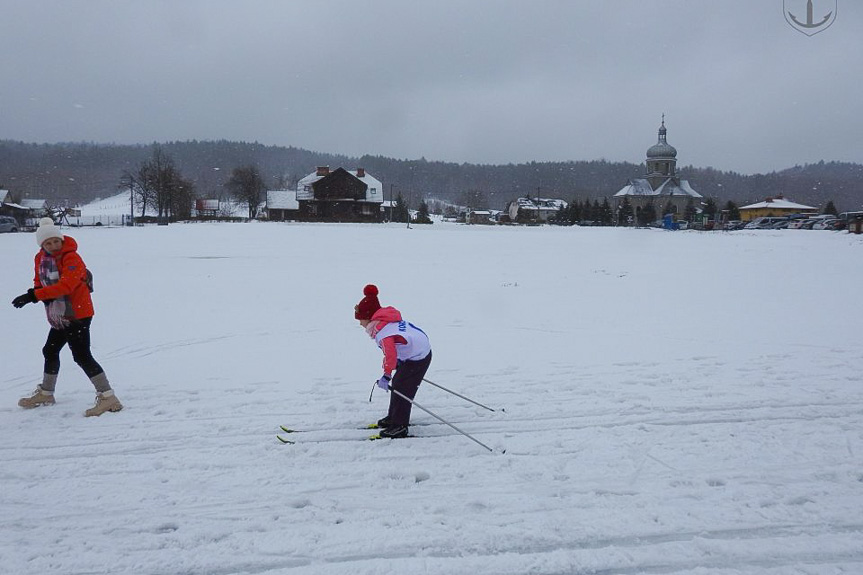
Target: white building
534 209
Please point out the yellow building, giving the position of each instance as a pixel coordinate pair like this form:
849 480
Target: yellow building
774 207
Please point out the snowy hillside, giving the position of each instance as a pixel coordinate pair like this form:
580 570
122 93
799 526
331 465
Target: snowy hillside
114 211
675 403
109 211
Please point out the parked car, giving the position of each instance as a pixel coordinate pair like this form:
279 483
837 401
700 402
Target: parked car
8 224
763 223
780 225
847 216
823 224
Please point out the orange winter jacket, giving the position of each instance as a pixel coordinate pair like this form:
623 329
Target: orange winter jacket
72 284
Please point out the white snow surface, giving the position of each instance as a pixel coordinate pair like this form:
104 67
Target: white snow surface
668 403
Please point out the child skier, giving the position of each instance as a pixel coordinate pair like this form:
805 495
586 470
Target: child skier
406 350
61 283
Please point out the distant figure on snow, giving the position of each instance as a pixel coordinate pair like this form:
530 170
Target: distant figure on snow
63 284
406 350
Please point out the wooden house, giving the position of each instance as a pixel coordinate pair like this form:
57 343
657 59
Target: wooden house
340 196
478 217
282 205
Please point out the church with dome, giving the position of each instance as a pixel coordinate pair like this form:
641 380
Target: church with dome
660 185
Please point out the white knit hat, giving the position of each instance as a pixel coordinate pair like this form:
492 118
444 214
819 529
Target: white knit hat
46 230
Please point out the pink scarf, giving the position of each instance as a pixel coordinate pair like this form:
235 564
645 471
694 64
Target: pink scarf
58 310
373 327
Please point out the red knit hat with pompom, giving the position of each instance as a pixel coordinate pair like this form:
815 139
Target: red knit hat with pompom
369 304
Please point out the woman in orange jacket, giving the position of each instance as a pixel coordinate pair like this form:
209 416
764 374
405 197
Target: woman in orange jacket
62 283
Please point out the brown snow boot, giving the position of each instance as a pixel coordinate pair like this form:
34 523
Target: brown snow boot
105 401
39 397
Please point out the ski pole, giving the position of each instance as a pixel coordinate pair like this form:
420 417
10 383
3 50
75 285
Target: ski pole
460 395
406 398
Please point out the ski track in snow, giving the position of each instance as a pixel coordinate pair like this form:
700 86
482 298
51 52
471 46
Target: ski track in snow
636 442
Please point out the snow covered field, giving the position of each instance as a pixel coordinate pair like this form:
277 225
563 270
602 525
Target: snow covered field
675 403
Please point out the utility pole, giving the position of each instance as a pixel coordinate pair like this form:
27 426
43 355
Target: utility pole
410 199
410 196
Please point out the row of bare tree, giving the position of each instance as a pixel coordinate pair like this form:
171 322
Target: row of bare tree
158 184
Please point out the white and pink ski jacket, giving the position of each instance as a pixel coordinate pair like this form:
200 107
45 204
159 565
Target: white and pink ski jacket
400 340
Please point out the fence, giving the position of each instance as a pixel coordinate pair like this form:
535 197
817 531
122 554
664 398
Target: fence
100 220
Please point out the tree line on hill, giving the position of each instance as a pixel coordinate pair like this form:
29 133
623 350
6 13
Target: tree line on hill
79 172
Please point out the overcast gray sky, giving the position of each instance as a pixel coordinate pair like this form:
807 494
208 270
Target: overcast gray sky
476 81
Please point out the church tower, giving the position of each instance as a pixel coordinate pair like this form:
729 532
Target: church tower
661 159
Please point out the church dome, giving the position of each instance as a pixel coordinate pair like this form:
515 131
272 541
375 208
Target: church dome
662 149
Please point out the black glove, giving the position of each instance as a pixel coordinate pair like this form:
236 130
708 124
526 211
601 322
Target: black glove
24 299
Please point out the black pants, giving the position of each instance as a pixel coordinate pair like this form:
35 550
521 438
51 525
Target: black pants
409 375
77 335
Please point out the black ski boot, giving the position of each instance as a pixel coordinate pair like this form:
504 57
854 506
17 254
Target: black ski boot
395 432
384 422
